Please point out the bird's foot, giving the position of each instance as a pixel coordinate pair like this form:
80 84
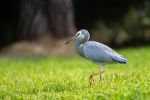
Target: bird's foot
91 79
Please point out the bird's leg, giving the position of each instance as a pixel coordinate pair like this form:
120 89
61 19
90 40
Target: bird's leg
101 72
91 79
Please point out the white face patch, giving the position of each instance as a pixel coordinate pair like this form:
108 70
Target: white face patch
80 35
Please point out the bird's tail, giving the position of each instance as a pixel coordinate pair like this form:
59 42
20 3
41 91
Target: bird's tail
120 59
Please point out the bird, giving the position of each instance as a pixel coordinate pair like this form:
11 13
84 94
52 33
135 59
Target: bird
94 51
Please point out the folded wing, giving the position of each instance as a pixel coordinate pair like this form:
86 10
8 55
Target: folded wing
100 53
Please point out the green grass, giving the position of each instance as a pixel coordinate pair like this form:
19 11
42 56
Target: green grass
66 77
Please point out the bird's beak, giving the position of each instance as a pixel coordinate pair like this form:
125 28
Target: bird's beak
71 39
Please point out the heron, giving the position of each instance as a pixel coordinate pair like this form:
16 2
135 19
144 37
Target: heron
95 51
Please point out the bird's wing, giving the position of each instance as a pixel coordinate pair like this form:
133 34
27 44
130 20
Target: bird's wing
99 53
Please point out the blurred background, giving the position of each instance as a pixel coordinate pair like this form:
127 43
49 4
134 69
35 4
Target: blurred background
43 26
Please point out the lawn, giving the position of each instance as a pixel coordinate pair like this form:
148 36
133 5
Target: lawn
66 77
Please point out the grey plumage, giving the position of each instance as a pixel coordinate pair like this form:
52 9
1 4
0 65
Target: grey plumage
101 53
95 51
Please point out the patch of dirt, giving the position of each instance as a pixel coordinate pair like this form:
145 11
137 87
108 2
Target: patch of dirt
44 46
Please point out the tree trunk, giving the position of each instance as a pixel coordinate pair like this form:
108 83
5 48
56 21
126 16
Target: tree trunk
41 16
33 21
61 18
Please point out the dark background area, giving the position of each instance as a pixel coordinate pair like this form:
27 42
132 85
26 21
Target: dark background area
31 19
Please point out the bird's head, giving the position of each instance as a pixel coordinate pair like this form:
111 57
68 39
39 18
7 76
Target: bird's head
80 37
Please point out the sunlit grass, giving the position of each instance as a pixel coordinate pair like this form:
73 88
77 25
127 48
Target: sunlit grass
66 77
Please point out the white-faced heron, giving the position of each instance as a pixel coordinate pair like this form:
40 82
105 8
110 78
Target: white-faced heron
95 51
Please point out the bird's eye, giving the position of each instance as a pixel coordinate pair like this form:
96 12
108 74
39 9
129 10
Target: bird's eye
78 34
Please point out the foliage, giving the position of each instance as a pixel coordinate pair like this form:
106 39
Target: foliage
66 77
137 22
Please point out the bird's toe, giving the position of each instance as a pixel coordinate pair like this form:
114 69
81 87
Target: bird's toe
91 79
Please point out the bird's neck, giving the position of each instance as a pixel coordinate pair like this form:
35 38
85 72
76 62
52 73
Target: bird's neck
79 48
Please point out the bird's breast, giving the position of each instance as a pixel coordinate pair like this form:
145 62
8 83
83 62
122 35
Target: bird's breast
79 49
